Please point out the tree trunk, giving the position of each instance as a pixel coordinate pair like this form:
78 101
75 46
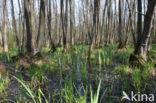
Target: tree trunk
28 26
95 32
71 23
53 48
23 32
95 22
147 28
55 6
131 20
20 26
141 50
15 27
5 26
41 30
108 22
121 42
103 21
87 23
139 26
66 24
32 25
62 20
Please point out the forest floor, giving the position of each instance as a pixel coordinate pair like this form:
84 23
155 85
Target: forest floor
68 78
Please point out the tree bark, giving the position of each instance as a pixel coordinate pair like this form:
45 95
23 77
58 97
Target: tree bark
66 24
88 39
63 24
95 22
55 6
23 31
53 48
41 30
121 42
71 23
32 25
15 27
131 20
139 26
103 21
5 26
28 26
95 32
108 23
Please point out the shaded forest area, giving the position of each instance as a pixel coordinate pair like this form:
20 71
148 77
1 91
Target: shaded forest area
77 51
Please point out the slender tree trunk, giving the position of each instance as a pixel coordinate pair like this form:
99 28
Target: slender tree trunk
87 23
28 26
95 22
98 23
66 25
56 21
20 21
108 22
53 48
71 23
32 25
15 27
103 22
23 31
131 20
139 26
5 26
121 42
63 24
120 20
95 27
41 30
23 36
20 25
